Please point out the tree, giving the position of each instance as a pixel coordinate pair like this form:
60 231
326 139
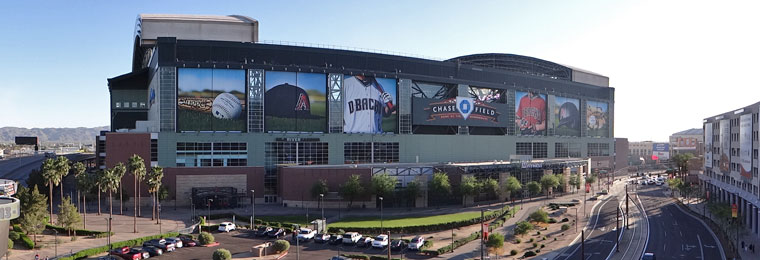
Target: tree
548 182
33 214
413 191
468 187
534 188
79 170
319 187
523 227
118 172
68 217
681 162
50 175
221 254
440 184
575 181
154 185
495 240
85 182
101 181
590 180
205 238
62 169
562 180
136 167
512 185
383 185
539 216
490 186
351 189
110 184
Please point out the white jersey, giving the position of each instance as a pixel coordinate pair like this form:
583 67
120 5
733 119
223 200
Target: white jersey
362 107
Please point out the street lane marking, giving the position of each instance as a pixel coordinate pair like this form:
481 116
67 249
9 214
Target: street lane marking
701 251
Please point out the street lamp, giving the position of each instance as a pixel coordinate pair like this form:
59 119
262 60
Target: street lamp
322 203
253 208
208 222
381 214
56 242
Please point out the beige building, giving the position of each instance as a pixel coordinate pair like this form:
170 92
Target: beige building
640 149
687 141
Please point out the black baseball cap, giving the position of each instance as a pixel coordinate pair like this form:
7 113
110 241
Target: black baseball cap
288 101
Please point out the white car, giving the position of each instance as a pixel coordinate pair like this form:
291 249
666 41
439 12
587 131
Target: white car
351 237
416 243
226 226
175 240
381 241
305 234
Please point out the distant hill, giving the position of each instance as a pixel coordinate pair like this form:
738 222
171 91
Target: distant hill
53 135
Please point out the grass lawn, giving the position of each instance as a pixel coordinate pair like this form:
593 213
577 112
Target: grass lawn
390 222
297 219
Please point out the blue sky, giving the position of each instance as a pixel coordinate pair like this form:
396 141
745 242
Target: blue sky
666 59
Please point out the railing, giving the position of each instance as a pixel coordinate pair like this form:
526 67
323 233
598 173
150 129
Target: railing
347 48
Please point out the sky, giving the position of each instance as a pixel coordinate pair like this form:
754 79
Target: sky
672 63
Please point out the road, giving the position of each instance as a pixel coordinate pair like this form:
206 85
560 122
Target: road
600 232
20 167
635 236
673 233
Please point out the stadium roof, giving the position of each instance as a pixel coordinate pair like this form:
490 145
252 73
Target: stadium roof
693 131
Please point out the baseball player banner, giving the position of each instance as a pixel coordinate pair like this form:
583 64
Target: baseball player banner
597 119
745 146
725 147
211 100
295 102
567 116
464 111
708 140
369 105
530 113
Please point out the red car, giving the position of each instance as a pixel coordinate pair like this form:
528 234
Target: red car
188 241
129 254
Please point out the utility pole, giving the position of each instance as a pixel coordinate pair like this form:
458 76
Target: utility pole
253 208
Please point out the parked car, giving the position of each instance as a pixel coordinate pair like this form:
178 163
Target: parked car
188 241
177 242
144 254
398 244
336 239
648 256
365 242
126 253
322 238
337 257
351 238
380 241
306 234
226 226
153 251
416 243
276 233
160 243
263 231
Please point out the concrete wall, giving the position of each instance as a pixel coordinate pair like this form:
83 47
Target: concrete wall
179 181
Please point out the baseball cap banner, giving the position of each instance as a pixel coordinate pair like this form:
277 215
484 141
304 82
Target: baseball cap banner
295 102
369 105
597 119
211 100
567 117
530 113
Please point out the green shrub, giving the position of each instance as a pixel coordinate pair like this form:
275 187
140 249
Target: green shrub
28 243
529 254
539 216
538 232
17 228
535 244
538 251
428 243
552 221
361 257
458 243
281 245
80 232
205 238
542 245
531 240
495 240
523 227
421 228
517 240
222 254
13 235
10 243
565 220
565 227
513 252
203 221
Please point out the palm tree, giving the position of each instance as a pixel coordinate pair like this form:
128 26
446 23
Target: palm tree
136 166
154 184
79 170
111 184
62 168
101 181
84 184
49 174
118 171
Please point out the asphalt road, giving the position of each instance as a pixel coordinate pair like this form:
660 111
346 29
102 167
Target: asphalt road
674 234
635 237
20 167
600 232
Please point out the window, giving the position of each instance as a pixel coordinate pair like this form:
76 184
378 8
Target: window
367 152
291 152
598 149
524 149
126 104
539 150
153 150
118 104
561 150
142 104
192 154
134 104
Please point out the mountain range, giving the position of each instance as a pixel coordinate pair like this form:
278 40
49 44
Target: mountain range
53 135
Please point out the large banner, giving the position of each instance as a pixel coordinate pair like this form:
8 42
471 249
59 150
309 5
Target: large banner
567 116
464 111
530 113
725 147
745 146
211 100
295 102
708 145
369 105
597 119
661 150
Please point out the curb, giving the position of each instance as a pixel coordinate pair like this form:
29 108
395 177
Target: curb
720 245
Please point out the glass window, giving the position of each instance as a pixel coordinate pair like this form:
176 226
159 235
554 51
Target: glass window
118 104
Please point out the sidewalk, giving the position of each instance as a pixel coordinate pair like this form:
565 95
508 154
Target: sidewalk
698 207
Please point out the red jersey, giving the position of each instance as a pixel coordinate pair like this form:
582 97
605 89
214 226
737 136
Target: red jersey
532 110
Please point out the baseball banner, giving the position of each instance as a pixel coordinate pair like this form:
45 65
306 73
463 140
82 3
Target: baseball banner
369 105
567 116
211 100
725 147
530 113
295 102
597 119
745 146
708 145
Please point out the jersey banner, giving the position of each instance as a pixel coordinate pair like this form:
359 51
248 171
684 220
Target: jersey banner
597 119
295 102
211 100
530 113
369 105
458 111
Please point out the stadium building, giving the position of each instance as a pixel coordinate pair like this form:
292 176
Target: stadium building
731 163
225 114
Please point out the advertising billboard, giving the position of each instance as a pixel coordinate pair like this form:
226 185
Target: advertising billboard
597 119
725 147
708 145
211 100
488 95
661 150
745 146
567 116
530 113
464 111
369 105
295 102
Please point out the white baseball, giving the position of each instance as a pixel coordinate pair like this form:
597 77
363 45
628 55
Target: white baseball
226 106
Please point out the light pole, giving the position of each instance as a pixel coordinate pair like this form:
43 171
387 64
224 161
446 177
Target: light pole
576 220
322 204
208 222
253 208
381 215
56 242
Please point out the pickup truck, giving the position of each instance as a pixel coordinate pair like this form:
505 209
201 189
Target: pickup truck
305 234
